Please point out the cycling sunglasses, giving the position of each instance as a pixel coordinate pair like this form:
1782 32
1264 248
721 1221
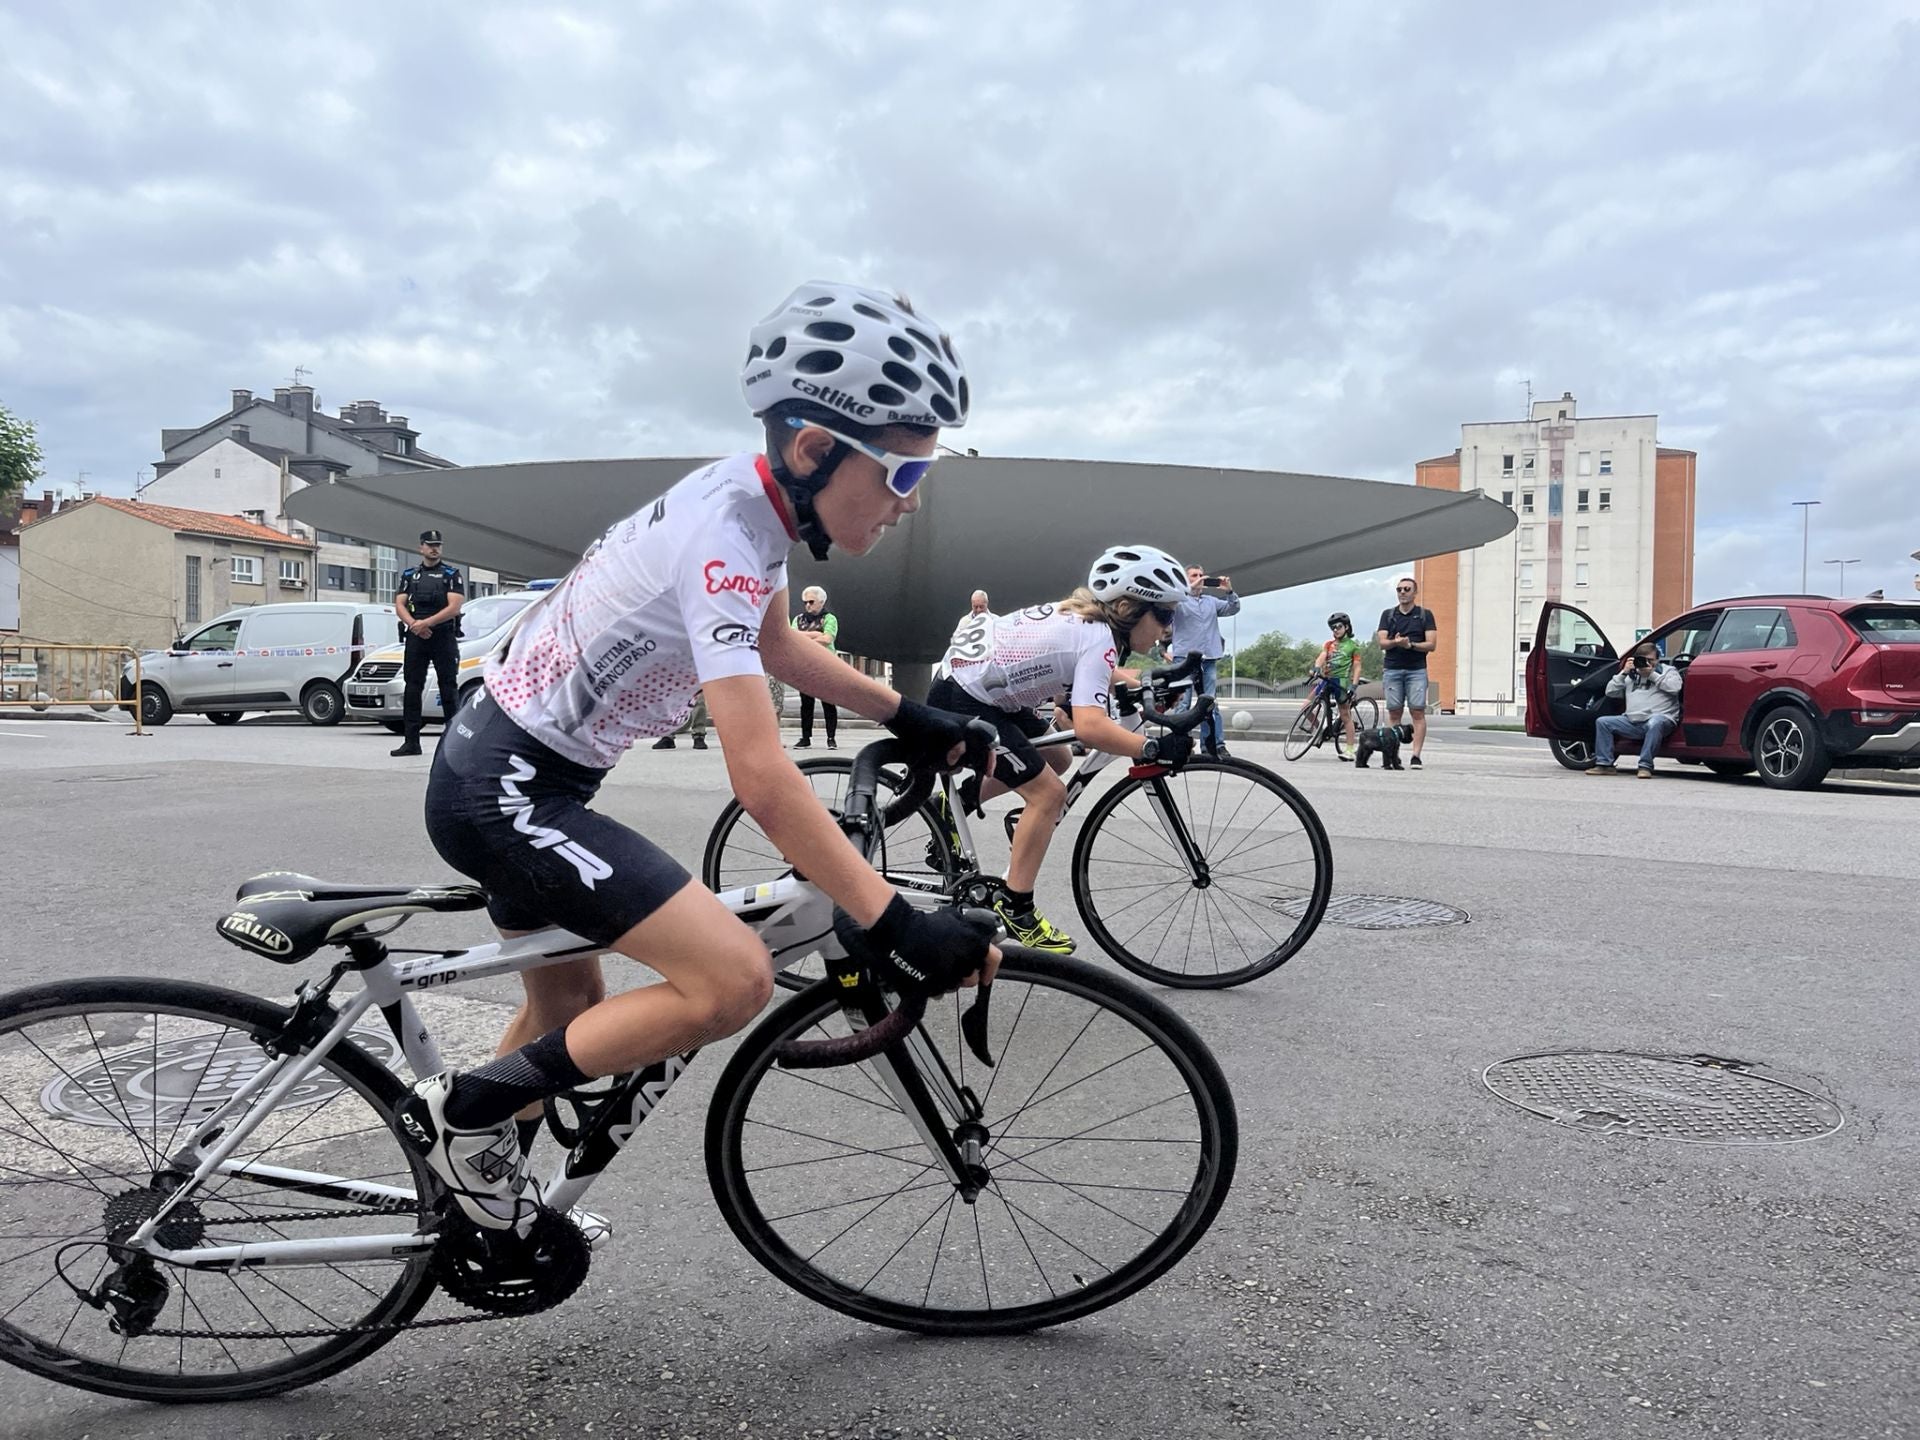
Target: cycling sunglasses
904 472
1162 613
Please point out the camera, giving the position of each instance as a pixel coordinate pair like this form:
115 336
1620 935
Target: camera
1641 662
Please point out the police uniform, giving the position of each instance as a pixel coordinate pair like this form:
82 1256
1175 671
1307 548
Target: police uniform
427 589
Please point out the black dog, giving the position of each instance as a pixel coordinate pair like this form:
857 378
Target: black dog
1386 741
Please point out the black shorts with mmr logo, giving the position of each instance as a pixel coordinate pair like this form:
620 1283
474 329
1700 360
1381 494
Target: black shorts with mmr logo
1015 758
508 812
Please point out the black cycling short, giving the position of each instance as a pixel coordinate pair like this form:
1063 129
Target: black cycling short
1015 760
508 812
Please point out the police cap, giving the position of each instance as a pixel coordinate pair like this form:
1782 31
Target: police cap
429 537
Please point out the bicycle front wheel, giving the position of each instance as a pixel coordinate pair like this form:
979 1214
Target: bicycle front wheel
1106 1130
913 851
1204 878
101 1083
1305 731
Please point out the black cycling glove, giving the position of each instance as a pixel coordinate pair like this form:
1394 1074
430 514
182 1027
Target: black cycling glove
916 952
1172 748
932 733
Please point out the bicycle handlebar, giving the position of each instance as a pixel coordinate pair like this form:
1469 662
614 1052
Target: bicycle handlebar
1157 684
858 819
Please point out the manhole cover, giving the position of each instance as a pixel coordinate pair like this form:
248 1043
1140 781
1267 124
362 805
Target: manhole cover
1376 912
184 1078
1700 1101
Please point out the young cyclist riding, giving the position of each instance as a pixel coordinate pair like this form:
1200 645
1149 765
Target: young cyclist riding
853 387
1001 667
1339 662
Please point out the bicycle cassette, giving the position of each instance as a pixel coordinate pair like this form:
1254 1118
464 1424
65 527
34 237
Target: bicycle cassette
509 1272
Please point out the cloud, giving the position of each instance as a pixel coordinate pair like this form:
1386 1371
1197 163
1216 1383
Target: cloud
1231 235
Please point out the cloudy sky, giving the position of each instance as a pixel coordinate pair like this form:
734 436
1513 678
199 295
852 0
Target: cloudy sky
1282 236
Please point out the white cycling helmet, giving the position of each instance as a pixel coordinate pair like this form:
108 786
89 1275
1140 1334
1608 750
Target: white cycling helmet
1140 571
866 355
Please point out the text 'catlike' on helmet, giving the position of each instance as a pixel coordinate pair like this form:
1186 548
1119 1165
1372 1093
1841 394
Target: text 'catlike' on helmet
864 354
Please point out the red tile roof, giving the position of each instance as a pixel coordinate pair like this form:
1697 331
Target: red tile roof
191 522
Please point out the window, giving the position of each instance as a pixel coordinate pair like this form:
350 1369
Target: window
1886 626
1526 537
356 578
246 570
334 537
1580 537
1751 628
1580 574
1526 574
293 570
1606 501
1586 462
1580 499
1689 637
1563 414
386 571
1526 502
1506 465
487 614
1526 463
1506 498
1525 646
1606 462
333 577
1569 633
215 637
216 472
193 589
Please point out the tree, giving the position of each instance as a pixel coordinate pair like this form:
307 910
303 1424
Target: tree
19 456
1277 658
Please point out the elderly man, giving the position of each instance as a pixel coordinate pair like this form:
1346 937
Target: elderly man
1652 690
1196 627
978 604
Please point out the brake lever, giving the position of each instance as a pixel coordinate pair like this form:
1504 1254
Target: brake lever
973 1025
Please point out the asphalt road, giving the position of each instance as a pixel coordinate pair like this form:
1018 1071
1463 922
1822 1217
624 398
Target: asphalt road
1403 1254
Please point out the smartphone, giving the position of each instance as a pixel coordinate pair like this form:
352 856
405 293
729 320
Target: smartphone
1212 582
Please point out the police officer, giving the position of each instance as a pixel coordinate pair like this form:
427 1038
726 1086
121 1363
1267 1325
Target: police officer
428 604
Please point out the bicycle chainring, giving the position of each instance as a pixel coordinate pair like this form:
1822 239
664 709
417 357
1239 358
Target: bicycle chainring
506 1272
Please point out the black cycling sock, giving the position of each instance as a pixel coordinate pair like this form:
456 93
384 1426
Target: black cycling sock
527 1132
1018 901
488 1095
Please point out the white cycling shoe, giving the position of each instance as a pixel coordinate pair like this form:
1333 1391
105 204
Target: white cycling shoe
484 1170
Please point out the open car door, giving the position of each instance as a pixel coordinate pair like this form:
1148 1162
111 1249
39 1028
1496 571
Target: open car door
1567 674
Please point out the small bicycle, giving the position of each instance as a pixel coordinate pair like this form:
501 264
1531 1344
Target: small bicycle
1319 720
207 1196
1203 876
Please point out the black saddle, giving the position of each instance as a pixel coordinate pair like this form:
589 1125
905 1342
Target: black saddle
286 917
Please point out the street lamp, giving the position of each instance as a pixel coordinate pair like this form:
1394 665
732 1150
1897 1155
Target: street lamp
1843 574
1806 513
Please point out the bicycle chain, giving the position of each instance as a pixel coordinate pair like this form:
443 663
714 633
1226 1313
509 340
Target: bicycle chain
320 1334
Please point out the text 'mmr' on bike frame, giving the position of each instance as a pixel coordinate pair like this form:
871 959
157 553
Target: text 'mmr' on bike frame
1000 667
853 387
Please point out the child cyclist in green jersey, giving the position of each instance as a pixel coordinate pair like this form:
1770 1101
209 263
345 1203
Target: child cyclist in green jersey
1339 664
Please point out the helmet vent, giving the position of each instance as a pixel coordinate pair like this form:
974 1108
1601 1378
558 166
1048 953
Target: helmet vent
885 395
941 378
925 340
819 302
943 407
777 348
837 331
902 348
860 307
818 362
901 376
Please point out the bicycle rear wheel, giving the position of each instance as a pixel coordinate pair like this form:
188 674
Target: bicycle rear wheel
1106 1125
913 851
100 1082
1265 872
1304 734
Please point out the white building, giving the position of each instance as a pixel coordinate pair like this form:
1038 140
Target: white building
1606 525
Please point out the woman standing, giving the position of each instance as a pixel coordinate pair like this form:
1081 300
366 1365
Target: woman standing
823 628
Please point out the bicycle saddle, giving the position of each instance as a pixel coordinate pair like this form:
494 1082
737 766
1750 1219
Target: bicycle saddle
286 917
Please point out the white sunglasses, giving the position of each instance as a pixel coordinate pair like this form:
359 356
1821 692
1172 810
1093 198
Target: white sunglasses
904 472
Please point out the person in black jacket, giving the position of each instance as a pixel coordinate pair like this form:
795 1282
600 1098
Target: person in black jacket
428 604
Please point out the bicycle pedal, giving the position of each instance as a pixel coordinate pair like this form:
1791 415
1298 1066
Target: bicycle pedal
596 1229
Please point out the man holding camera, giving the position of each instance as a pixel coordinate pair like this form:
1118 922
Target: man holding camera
1652 688
1196 627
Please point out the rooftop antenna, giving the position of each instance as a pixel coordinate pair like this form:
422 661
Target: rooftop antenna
1528 382
300 373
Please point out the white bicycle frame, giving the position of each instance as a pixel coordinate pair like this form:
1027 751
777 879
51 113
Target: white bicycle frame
792 916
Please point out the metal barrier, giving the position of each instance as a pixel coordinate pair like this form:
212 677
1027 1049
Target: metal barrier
44 677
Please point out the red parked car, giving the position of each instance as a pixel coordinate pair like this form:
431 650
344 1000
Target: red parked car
1790 685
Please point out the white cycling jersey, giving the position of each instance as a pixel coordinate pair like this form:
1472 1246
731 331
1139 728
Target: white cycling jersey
1018 661
668 599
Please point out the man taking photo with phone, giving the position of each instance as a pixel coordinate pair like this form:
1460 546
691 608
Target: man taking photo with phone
1196 627
1652 690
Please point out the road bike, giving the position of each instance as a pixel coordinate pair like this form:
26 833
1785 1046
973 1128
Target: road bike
1319 720
205 1195
1200 876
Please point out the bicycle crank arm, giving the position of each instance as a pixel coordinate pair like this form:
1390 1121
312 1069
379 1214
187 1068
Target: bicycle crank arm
973 1026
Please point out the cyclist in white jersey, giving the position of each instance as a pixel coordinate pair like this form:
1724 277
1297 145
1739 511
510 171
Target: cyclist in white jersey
1001 667
852 386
